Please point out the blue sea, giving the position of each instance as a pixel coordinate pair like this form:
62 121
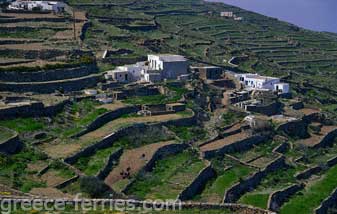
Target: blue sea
318 15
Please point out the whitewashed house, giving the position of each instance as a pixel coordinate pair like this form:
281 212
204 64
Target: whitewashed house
169 66
156 69
127 73
258 82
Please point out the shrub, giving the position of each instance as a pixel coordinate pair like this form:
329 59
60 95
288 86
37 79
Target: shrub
94 187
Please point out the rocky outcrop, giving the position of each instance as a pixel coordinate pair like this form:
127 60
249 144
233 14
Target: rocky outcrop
198 183
234 193
278 198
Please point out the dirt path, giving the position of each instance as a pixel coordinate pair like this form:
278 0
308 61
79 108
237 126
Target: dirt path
132 161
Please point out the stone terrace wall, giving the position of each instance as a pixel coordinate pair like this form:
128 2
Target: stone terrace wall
103 173
309 172
11 145
296 128
237 190
33 54
162 152
32 110
271 109
327 203
237 146
107 117
328 139
104 143
47 75
276 199
50 87
109 140
198 183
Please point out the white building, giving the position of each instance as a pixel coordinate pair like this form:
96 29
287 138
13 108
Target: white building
169 66
156 69
54 6
227 14
127 73
257 82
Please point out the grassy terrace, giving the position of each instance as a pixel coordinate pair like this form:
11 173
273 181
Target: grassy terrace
91 165
19 171
274 181
63 148
168 178
311 197
5 134
215 189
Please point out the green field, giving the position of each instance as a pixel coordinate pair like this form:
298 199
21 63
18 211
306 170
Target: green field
168 178
311 197
215 190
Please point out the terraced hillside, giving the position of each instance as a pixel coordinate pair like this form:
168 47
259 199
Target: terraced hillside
194 28
210 156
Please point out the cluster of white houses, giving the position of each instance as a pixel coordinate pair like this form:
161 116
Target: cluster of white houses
160 67
157 68
24 5
230 14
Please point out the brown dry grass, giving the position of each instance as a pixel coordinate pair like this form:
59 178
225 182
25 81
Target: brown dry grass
51 178
218 144
317 138
134 160
122 122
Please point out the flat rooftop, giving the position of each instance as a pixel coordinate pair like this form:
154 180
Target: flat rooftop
170 57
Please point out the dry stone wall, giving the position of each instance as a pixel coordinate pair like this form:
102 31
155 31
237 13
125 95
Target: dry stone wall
32 110
114 157
234 193
109 140
198 183
11 145
107 117
242 145
327 203
67 85
47 75
278 198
